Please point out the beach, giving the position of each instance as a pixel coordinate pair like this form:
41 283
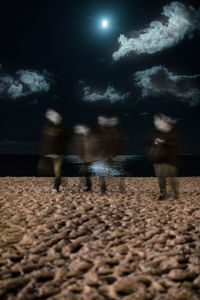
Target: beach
84 245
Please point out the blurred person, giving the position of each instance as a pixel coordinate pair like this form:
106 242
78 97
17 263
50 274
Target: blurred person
86 147
163 152
113 143
55 137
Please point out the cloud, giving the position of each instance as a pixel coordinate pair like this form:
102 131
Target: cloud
158 81
24 83
110 95
15 90
180 21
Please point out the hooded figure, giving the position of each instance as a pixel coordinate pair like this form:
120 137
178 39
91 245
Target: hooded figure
86 147
54 140
162 150
112 143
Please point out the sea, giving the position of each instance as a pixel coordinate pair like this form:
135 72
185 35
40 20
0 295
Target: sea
129 166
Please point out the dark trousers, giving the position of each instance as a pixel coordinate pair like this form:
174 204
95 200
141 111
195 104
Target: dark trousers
88 181
110 164
163 171
45 167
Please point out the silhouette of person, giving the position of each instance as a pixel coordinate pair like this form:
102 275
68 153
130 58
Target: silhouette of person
162 150
86 147
112 144
55 137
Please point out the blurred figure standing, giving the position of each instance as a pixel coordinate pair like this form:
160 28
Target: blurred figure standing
112 143
86 147
53 145
162 150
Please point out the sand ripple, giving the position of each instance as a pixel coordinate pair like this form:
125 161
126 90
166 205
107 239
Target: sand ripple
79 245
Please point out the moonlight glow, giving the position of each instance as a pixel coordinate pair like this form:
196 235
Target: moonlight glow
104 23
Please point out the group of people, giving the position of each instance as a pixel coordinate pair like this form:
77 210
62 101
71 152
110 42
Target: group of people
161 148
104 145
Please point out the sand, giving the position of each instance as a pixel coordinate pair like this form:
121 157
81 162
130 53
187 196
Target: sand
79 245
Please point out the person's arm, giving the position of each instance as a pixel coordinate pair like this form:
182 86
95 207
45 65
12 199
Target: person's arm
172 140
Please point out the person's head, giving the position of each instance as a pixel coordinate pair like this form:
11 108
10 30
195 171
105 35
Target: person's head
53 116
82 129
163 123
107 122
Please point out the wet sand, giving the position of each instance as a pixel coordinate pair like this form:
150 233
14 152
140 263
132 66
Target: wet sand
80 245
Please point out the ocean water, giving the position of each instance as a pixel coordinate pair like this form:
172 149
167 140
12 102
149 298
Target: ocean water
130 165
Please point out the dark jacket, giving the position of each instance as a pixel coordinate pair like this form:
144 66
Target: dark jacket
113 142
54 139
86 147
168 150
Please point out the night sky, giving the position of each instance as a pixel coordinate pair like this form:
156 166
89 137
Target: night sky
56 54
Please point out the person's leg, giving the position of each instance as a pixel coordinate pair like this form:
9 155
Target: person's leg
162 187
121 185
121 179
102 185
88 184
175 187
160 173
57 164
57 183
88 181
174 182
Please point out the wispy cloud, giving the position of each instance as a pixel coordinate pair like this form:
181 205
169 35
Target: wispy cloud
178 21
158 81
24 83
110 95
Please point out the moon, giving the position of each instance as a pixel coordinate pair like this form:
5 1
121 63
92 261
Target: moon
104 23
